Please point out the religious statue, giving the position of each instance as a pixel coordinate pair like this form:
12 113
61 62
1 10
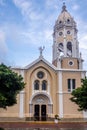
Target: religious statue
41 50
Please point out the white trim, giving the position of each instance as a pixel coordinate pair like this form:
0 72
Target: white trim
74 45
21 107
58 63
83 75
84 114
38 60
65 51
71 70
21 112
50 65
60 96
22 73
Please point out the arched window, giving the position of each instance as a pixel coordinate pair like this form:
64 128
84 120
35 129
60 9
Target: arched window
69 48
68 20
60 45
60 22
44 85
36 85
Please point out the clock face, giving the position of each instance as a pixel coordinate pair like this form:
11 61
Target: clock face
40 74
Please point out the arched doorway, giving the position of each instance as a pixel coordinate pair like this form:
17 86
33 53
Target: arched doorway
41 106
40 112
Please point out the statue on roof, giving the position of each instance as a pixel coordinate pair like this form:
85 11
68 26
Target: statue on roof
41 49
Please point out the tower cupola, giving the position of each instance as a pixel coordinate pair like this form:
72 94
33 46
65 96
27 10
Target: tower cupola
65 41
64 19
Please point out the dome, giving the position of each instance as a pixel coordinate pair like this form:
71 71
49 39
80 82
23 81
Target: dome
64 19
65 15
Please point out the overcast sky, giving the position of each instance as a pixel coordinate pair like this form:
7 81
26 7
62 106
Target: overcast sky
25 25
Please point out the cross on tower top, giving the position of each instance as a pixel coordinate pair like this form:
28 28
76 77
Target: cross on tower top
64 7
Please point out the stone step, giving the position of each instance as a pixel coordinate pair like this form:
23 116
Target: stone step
11 119
31 129
74 120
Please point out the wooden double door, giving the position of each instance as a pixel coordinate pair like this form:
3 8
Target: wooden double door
40 112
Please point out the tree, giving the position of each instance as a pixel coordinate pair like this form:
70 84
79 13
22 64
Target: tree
10 85
79 95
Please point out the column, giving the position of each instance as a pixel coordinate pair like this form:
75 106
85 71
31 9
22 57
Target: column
21 107
48 87
59 63
49 108
74 44
83 74
84 114
65 48
60 95
31 108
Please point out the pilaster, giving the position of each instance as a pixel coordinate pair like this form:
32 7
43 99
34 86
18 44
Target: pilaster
60 95
21 104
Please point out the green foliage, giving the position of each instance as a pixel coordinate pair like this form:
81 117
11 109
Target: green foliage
79 95
10 85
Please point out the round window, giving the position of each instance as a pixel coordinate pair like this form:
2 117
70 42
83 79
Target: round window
68 32
60 33
71 63
40 74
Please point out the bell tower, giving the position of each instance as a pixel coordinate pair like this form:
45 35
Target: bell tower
65 42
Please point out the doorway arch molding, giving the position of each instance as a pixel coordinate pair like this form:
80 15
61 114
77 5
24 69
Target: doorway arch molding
40 106
43 94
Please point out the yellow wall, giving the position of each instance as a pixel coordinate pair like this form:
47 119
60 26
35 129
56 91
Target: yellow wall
52 76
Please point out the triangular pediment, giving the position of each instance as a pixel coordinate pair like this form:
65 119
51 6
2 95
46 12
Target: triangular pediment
37 61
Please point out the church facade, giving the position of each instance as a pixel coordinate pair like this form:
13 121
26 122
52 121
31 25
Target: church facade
48 86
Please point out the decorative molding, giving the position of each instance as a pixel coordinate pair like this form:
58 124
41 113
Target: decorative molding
39 93
37 61
50 65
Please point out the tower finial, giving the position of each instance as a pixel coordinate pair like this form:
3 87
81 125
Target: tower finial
64 7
